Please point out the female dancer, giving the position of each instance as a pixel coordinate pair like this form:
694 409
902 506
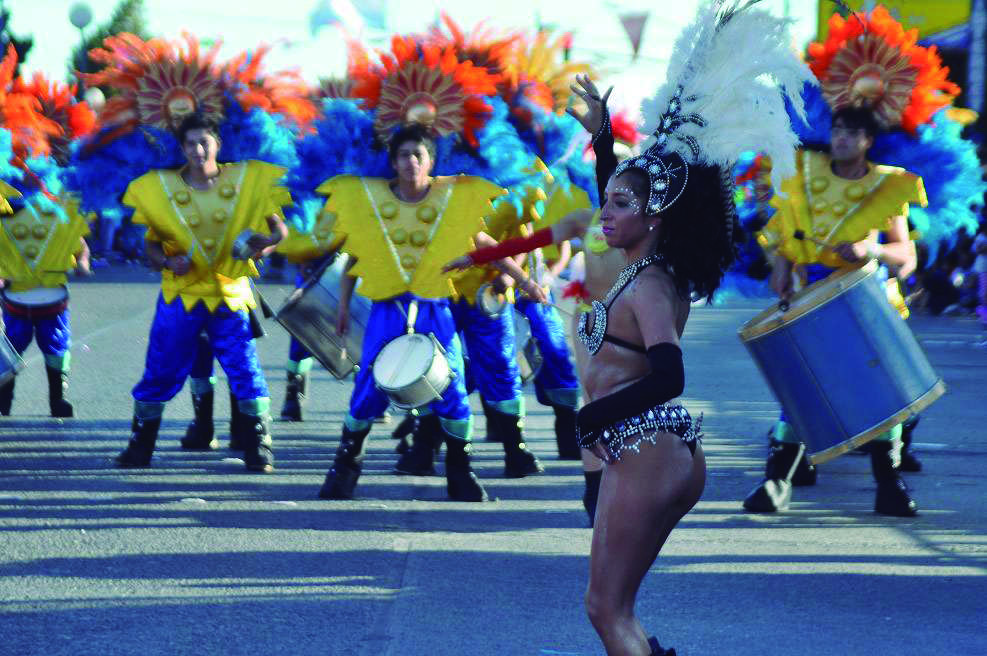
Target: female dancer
670 211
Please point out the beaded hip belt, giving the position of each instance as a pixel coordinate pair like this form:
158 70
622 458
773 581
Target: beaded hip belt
627 434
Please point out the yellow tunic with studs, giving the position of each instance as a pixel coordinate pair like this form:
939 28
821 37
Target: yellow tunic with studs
833 209
401 247
37 246
203 224
300 247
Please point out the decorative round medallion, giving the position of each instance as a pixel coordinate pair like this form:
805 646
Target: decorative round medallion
39 231
818 184
389 210
408 261
220 215
855 192
31 251
227 190
419 238
193 220
209 243
182 197
20 231
426 213
820 206
399 235
839 209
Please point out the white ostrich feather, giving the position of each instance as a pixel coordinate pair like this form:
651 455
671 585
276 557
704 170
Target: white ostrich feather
730 68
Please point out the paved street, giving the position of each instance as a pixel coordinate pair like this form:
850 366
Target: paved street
195 556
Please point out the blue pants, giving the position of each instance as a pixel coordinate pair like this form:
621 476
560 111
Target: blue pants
53 334
173 350
491 356
556 383
387 321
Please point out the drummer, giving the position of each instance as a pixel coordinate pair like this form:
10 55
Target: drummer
203 287
38 244
861 208
398 255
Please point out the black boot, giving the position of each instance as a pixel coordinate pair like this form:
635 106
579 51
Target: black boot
805 472
892 493
461 481
403 432
346 468
656 649
565 433
143 435
419 459
775 492
58 382
255 437
491 415
592 493
6 397
909 463
519 461
199 436
236 423
294 397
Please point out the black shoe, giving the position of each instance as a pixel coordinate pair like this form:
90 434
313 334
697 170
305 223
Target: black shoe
519 461
294 397
419 459
774 493
656 649
6 397
592 493
199 436
565 433
342 477
58 383
143 435
461 481
805 472
892 493
236 422
258 456
909 463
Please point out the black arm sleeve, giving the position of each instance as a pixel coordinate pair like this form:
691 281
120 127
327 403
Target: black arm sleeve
665 382
606 161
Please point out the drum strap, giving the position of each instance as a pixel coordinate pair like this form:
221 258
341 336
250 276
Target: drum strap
411 314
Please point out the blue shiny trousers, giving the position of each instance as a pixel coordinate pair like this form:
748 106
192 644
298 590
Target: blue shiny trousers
491 356
173 350
387 321
53 335
783 430
556 383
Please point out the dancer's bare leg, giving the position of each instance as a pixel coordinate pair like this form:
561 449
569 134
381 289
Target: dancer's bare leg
642 498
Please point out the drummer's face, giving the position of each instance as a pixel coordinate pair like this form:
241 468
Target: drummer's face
622 218
848 144
200 148
412 162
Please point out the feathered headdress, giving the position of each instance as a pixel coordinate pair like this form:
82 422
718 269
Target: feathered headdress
869 60
21 113
423 83
716 101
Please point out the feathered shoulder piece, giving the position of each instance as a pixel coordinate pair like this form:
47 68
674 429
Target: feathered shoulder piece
870 60
284 92
423 83
721 97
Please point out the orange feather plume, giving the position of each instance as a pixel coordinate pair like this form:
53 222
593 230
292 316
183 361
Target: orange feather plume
21 112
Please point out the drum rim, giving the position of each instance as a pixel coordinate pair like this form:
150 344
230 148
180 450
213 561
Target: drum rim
479 302
844 279
5 294
913 408
388 389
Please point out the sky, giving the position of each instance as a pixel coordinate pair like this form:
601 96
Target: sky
243 24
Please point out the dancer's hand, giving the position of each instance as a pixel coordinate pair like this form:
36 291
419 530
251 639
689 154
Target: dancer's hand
592 120
459 264
179 264
534 291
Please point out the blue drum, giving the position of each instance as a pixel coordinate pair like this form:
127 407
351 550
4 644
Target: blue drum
842 362
10 361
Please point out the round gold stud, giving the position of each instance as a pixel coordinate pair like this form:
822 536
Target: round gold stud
818 184
426 214
181 197
839 209
209 243
193 220
408 261
31 251
399 235
227 190
220 215
20 231
389 210
820 206
39 231
419 238
855 192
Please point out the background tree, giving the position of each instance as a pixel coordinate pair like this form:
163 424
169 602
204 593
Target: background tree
129 16
22 46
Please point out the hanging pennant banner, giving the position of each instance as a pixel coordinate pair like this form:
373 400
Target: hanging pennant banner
634 26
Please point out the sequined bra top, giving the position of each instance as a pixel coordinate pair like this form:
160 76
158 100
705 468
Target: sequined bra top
593 339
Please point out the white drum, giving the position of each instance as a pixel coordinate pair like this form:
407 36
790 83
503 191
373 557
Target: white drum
529 358
412 370
37 303
10 361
